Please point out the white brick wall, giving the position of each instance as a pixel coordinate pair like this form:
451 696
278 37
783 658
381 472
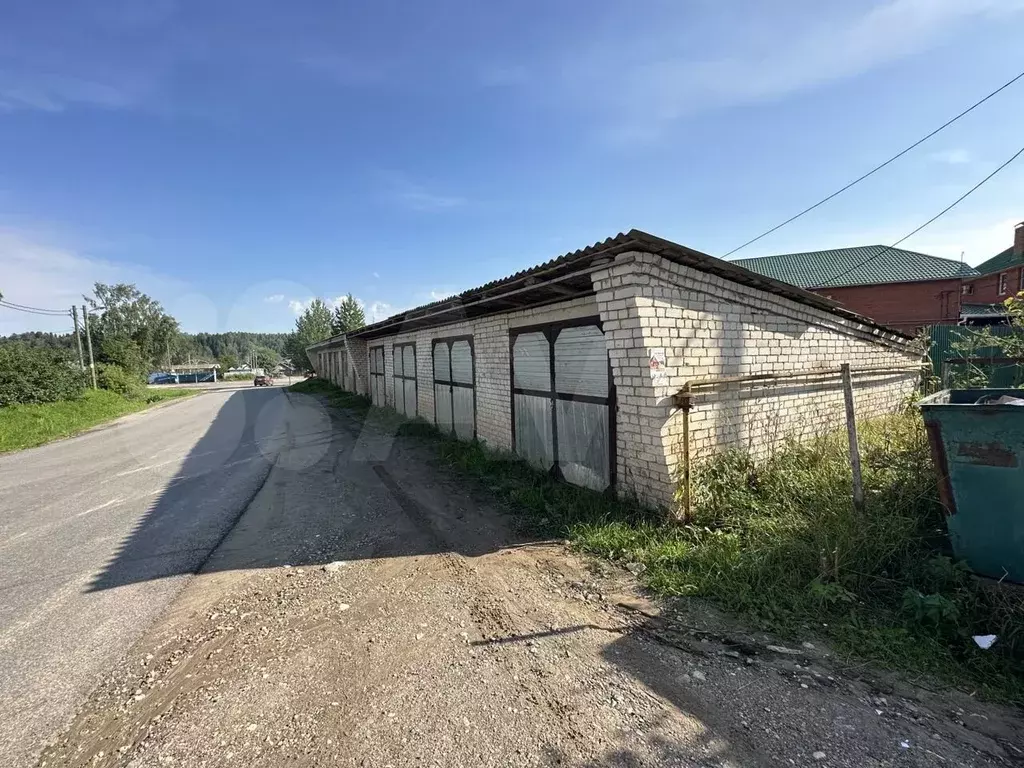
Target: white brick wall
708 327
491 362
712 327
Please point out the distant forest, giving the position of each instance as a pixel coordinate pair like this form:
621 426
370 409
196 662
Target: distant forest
199 347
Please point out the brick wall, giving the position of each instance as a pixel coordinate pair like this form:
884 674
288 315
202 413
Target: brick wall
712 327
906 307
986 287
491 363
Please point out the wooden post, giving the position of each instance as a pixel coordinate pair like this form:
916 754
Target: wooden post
851 431
78 338
88 342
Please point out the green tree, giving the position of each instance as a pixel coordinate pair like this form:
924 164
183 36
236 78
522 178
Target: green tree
313 325
123 311
228 361
38 375
348 316
267 357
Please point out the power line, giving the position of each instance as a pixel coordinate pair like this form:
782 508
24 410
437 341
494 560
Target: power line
941 213
877 168
33 310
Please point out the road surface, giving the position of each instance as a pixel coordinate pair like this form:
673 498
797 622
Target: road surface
98 533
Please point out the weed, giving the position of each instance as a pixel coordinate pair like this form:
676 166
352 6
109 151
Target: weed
780 543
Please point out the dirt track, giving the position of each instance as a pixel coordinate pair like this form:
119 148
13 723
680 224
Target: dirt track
368 610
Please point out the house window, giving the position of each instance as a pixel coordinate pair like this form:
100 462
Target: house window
1003 283
1020 281
968 289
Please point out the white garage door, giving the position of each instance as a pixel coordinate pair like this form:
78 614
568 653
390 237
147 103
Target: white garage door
405 378
562 399
377 392
454 390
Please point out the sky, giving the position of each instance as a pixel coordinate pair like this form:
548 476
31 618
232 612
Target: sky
235 159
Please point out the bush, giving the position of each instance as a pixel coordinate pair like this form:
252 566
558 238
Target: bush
120 381
38 375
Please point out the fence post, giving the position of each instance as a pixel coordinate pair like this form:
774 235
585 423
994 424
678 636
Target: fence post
851 432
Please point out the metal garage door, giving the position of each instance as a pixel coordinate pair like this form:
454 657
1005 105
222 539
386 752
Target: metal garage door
562 398
405 378
377 392
454 390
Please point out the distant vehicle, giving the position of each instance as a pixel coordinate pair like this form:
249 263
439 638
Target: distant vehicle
263 380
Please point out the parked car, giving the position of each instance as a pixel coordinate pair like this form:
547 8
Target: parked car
263 381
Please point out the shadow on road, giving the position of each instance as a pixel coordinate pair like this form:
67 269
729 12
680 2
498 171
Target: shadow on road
292 485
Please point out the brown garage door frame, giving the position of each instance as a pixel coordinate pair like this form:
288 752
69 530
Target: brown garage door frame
551 331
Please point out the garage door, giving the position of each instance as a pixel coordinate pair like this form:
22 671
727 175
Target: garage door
377 392
562 399
454 390
405 378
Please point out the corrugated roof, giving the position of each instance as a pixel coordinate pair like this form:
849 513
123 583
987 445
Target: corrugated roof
999 262
863 265
536 285
982 310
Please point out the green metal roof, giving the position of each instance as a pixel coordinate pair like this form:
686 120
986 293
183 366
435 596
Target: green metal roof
999 262
863 265
982 310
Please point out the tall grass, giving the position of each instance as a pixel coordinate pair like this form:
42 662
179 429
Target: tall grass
780 543
26 426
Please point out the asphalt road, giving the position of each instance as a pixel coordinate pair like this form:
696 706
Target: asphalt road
98 533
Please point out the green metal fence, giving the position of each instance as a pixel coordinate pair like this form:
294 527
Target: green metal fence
992 360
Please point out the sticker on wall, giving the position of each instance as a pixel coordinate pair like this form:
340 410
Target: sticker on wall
657 364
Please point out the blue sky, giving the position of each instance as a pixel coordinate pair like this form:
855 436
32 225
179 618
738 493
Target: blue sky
237 158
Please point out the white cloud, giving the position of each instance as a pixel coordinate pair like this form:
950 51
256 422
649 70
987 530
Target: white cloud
952 156
765 55
401 190
274 298
299 306
377 276
37 273
438 295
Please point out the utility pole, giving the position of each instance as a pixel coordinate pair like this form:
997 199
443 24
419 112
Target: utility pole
88 341
78 337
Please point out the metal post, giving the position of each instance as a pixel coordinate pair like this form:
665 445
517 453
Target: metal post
78 337
851 431
88 342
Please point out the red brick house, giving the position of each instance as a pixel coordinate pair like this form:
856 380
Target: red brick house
999 278
905 290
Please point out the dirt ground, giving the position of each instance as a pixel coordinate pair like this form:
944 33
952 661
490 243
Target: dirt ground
370 610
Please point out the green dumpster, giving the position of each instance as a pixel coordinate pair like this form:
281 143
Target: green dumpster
977 443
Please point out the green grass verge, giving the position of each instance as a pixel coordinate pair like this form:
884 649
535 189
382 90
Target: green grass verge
778 543
26 426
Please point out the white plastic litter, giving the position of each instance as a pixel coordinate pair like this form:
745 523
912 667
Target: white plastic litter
984 641
1007 400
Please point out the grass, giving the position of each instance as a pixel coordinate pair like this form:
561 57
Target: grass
26 426
779 544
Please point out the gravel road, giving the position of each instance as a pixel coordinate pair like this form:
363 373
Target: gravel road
370 609
99 533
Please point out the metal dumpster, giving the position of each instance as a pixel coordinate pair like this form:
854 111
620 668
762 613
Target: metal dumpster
978 449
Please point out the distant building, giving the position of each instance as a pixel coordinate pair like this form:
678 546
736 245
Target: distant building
998 278
905 290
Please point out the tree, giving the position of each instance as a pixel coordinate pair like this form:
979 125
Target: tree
313 325
127 313
228 361
267 357
38 375
348 316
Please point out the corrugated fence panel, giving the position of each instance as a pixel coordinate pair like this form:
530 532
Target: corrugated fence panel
531 354
581 361
534 440
583 443
943 337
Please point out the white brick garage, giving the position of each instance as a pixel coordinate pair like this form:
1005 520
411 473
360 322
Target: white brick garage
613 421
